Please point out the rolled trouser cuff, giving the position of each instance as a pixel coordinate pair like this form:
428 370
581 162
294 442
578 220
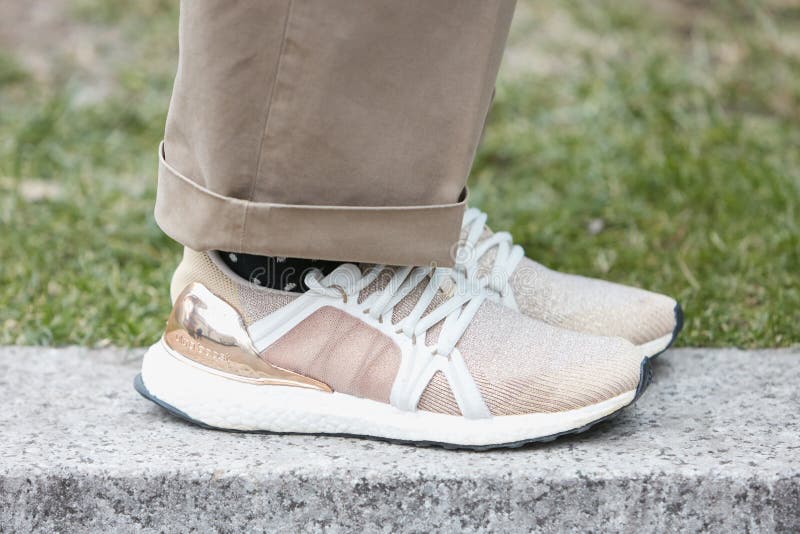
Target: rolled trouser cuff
201 219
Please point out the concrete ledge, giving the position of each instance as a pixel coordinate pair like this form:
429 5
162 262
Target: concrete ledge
714 444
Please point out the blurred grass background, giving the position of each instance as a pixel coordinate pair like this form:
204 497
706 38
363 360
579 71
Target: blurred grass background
650 142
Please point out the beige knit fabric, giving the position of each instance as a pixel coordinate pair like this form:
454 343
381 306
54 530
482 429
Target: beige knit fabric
523 366
526 366
438 397
591 305
586 304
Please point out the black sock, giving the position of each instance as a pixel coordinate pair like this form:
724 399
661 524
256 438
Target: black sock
275 272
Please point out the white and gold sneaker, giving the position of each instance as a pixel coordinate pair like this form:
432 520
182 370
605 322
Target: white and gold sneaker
397 353
649 320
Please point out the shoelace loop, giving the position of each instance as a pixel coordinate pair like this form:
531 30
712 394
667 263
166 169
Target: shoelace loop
507 256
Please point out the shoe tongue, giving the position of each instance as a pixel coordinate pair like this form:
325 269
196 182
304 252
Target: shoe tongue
378 284
407 303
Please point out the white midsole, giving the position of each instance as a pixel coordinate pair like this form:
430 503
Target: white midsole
651 348
230 404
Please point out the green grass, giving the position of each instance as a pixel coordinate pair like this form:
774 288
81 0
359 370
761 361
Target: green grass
86 263
671 128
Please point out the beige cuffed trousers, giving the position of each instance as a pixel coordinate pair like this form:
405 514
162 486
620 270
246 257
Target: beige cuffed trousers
328 129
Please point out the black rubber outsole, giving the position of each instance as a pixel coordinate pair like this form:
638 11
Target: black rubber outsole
645 377
675 331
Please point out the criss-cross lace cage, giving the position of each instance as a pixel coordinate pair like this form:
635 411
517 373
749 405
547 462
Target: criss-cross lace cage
456 309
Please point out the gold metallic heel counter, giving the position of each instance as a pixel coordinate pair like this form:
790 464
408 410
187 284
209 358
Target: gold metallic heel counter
210 333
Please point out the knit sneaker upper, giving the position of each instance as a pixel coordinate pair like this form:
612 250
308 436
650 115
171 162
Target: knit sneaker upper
569 301
519 365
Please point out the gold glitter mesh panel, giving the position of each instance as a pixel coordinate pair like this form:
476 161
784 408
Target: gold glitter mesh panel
524 366
336 348
438 397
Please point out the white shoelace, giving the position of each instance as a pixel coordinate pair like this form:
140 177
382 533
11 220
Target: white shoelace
346 281
506 259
